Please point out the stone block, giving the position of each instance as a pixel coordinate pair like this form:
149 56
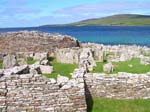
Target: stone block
46 69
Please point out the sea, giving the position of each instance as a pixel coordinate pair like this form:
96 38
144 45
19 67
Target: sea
108 35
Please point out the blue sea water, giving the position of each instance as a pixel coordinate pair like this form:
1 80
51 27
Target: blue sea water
113 35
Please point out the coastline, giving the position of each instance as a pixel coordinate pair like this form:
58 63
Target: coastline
109 35
119 44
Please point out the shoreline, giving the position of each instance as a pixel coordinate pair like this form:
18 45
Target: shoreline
106 44
77 38
72 26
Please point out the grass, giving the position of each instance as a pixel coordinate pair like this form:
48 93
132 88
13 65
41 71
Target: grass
114 105
99 67
62 69
124 67
30 62
117 20
148 55
137 67
1 64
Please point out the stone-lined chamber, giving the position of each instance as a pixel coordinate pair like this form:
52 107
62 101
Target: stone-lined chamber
119 86
36 93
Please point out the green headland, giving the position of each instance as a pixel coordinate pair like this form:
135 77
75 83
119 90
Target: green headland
114 20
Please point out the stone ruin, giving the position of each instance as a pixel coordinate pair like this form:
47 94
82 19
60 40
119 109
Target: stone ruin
23 88
119 53
36 93
74 55
101 53
119 86
145 60
34 41
67 55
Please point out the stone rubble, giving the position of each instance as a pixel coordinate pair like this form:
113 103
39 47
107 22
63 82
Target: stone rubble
24 69
40 56
118 53
86 59
23 88
62 80
34 41
145 60
108 68
101 53
22 62
44 62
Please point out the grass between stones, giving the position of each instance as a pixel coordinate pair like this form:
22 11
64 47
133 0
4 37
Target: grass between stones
114 105
62 69
1 64
125 67
30 62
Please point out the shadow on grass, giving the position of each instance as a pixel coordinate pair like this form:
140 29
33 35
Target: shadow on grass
89 99
50 59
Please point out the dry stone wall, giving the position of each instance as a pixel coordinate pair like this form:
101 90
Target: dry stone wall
36 93
120 86
73 55
67 55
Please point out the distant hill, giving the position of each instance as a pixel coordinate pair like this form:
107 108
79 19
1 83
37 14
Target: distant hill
115 20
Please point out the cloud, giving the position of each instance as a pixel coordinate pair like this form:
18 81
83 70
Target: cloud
14 3
37 12
16 11
106 8
15 7
53 20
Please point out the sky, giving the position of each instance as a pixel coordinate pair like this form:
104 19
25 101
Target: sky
28 13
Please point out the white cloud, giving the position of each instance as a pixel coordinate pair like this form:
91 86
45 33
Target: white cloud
106 8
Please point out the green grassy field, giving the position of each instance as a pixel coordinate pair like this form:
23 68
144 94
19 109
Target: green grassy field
62 69
124 67
113 105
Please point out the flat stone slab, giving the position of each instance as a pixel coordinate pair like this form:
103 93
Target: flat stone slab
46 69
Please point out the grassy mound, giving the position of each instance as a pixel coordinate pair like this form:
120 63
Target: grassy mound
125 67
116 20
113 105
